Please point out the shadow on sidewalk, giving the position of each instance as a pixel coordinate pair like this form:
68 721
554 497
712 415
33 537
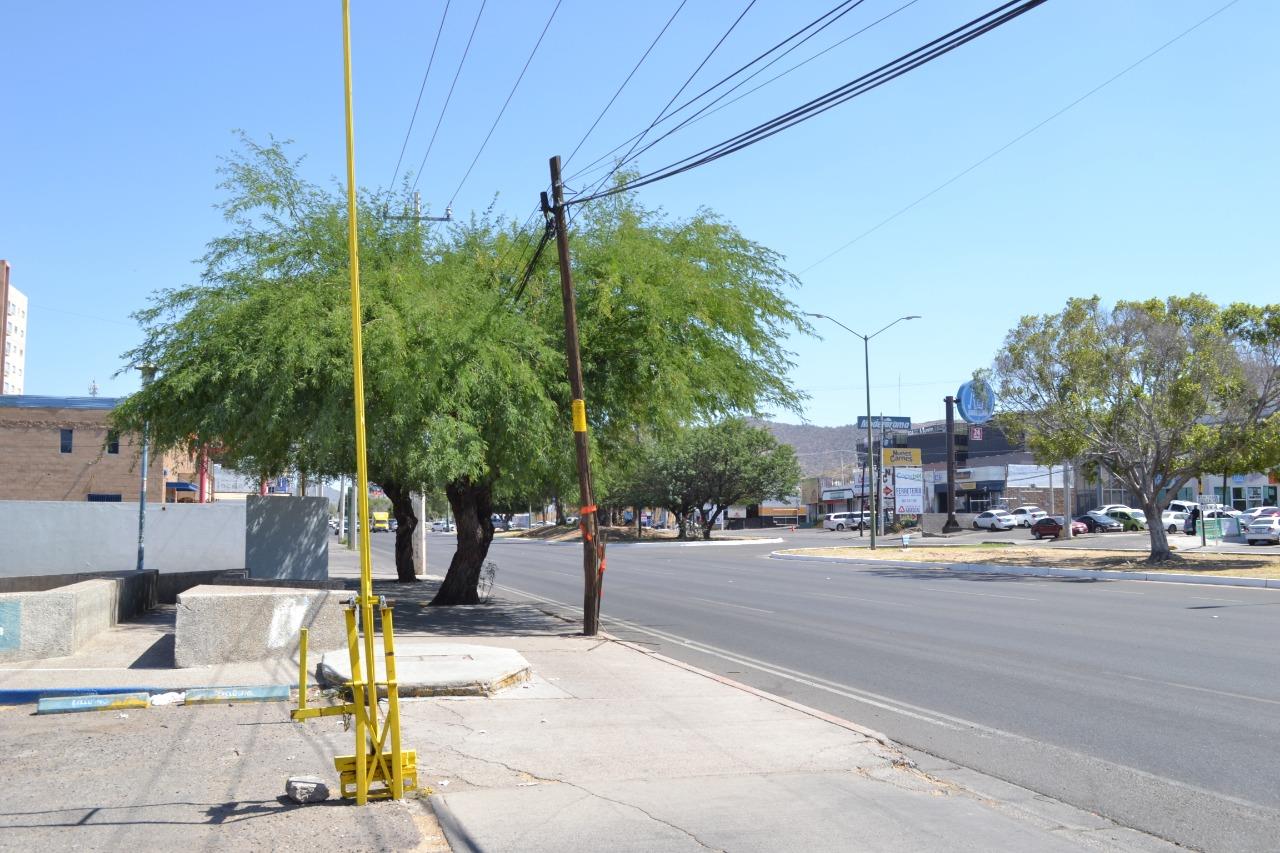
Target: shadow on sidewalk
498 618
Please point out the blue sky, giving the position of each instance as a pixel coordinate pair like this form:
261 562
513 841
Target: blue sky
1163 182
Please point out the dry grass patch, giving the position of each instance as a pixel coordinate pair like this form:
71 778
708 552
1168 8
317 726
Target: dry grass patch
1236 565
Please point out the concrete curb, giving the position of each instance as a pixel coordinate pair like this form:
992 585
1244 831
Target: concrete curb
29 696
674 543
109 702
1033 571
230 695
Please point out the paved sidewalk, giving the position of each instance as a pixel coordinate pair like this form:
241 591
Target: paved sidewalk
614 748
609 747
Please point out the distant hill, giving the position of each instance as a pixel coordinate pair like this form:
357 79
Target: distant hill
820 450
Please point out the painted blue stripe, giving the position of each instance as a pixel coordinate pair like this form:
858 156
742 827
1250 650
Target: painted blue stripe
29 696
73 704
255 693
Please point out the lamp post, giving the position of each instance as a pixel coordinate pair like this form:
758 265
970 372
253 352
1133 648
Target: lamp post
148 373
866 362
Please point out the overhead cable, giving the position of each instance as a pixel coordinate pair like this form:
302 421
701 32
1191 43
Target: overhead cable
873 79
837 11
626 81
449 97
1021 136
421 89
505 103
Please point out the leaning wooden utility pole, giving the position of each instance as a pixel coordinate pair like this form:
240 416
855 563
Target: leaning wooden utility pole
592 545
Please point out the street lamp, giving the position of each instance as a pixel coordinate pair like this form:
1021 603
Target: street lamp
866 360
148 374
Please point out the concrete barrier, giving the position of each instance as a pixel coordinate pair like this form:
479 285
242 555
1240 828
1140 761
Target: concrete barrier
57 622
223 624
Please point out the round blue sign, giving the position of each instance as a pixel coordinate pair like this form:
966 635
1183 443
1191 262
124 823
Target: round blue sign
976 401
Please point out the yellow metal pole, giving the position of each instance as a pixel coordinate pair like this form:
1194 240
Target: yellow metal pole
357 358
393 705
357 701
302 670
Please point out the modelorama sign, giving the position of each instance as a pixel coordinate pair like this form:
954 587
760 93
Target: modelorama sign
908 490
888 423
893 457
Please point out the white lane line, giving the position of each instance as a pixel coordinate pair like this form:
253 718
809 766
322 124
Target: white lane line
1204 689
1207 598
727 604
936 718
983 594
1107 588
860 598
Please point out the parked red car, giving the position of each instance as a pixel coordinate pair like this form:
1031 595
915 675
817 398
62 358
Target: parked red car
1051 526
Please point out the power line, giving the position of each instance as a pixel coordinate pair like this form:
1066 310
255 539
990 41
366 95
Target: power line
449 97
815 22
506 103
958 175
800 64
661 113
902 65
703 110
626 81
421 89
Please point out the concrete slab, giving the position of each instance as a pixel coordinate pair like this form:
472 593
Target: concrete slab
222 624
228 695
76 704
437 669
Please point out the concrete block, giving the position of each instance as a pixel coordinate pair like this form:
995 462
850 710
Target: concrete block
109 702
224 624
436 669
287 538
306 789
55 623
225 695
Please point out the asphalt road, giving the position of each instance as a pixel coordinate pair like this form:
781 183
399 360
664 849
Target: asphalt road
1157 705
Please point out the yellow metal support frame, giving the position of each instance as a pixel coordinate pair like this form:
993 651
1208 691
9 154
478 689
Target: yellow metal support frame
393 772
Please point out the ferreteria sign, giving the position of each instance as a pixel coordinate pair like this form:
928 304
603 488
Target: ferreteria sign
892 457
976 401
888 423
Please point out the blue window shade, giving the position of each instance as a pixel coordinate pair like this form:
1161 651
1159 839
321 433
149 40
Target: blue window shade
66 440
97 497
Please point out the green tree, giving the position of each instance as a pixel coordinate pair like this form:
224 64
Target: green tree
710 468
464 367
1158 392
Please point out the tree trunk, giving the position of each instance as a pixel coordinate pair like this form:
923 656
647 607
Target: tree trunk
406 524
1159 537
473 513
639 527
560 522
680 525
709 521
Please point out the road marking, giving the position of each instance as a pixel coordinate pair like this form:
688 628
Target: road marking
727 604
859 598
983 594
1204 689
1207 598
936 718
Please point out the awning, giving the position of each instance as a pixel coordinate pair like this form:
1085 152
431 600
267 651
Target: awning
181 487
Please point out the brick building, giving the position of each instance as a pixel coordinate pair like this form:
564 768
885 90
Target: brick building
60 449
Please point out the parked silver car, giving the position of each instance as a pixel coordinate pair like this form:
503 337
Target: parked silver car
846 520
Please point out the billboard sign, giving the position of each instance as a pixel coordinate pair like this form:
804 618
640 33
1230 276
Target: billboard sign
976 401
888 423
909 490
893 457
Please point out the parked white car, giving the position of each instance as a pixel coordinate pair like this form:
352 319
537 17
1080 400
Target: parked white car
1025 516
1263 531
1181 506
995 519
1173 520
846 520
1106 510
1251 515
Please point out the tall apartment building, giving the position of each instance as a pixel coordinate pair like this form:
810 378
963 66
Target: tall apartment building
13 334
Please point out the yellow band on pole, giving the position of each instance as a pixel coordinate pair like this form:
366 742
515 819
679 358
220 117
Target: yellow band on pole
579 416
